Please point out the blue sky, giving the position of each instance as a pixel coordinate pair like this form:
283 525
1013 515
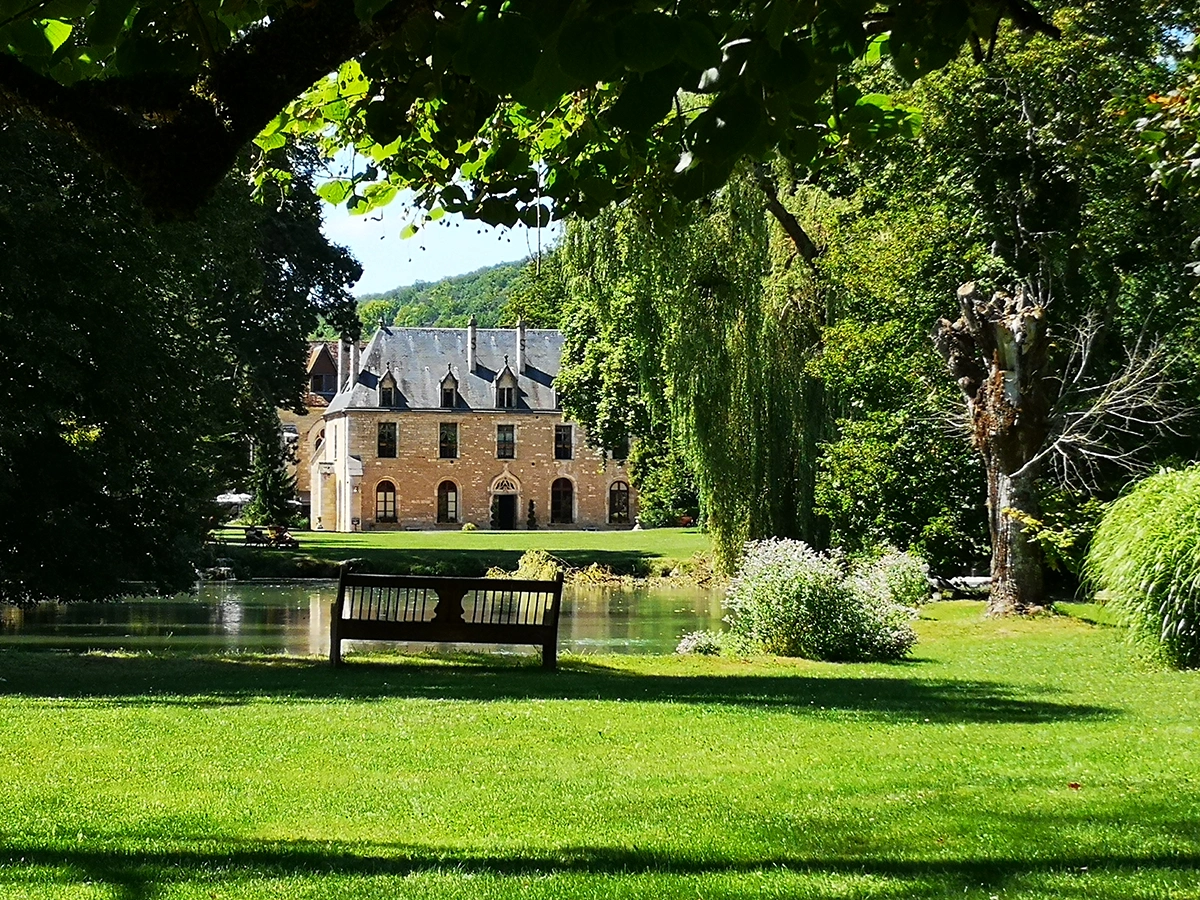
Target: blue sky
451 246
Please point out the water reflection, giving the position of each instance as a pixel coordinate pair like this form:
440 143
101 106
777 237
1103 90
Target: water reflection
294 618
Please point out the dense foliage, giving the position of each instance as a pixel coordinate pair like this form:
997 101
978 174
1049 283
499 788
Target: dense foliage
790 600
893 471
503 112
1024 176
135 360
1145 558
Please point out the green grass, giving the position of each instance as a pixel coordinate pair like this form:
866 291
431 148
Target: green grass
467 552
947 776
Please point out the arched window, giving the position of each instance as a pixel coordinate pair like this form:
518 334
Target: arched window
562 502
618 503
447 503
385 502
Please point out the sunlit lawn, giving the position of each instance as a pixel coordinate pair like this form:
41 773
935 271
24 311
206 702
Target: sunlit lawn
1008 759
473 552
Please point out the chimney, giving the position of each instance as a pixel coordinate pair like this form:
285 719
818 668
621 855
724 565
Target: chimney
341 372
471 345
520 346
352 378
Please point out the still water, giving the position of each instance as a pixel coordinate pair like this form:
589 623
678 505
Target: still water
294 618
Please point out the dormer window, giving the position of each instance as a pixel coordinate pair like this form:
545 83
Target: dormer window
506 388
323 383
449 390
388 395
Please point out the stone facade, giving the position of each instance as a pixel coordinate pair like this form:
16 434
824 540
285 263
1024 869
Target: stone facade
373 466
306 431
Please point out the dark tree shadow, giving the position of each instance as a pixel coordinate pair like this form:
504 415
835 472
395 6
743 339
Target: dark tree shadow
215 680
143 874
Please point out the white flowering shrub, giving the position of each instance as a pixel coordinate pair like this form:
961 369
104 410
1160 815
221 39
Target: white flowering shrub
702 643
789 600
899 576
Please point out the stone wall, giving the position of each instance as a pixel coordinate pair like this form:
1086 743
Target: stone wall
309 426
418 469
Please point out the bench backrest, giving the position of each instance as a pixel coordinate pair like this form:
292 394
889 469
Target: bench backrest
418 598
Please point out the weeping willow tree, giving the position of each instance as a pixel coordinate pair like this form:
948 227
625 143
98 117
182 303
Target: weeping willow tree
692 325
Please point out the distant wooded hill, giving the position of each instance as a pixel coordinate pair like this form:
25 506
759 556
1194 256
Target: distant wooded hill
447 303
496 296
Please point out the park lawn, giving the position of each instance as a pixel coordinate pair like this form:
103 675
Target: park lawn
649 552
1006 759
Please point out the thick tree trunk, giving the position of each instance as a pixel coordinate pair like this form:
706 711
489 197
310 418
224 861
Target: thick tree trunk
997 352
1017 562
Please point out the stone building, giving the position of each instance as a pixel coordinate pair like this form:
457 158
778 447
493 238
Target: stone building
303 430
438 427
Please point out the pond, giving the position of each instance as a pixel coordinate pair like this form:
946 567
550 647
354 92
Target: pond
294 618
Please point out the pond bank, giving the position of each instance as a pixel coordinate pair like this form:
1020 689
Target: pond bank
682 556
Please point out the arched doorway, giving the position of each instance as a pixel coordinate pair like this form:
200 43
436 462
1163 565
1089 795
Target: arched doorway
562 502
504 502
447 503
618 503
385 502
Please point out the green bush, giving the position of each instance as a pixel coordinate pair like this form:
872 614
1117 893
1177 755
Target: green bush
1145 559
787 599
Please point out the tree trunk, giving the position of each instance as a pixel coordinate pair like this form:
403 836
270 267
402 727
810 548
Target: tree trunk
1017 562
997 353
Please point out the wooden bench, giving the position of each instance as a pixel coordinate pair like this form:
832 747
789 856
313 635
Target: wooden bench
438 609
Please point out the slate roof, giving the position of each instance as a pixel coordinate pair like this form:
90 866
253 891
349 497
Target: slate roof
419 358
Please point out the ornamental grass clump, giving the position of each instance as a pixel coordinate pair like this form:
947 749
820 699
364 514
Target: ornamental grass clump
1145 561
790 600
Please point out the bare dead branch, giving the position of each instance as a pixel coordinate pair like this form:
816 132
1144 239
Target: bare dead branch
1099 423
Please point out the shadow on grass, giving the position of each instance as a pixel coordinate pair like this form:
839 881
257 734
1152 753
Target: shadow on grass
324 560
138 874
195 681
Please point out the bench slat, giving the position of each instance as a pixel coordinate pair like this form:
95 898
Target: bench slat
432 632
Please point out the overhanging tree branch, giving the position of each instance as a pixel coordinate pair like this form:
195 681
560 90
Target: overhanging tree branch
175 138
804 244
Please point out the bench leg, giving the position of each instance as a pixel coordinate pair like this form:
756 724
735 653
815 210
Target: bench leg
335 638
550 656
